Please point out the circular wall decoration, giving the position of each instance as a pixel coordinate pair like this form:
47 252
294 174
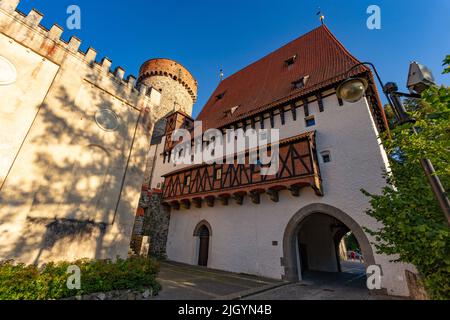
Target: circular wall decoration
8 72
107 120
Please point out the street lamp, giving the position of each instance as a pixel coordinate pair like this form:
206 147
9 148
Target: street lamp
420 78
353 89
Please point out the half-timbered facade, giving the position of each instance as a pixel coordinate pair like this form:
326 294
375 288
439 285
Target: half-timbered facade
230 217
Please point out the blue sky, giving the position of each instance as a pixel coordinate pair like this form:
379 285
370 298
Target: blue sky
208 35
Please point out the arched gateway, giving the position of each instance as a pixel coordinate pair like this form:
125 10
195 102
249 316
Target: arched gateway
294 254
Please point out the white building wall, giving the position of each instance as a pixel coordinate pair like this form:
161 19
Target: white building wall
249 238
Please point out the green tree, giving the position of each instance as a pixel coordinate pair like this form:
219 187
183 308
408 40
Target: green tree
351 243
447 64
414 228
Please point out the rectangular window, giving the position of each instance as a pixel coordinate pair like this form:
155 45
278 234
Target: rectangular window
326 156
187 180
310 121
218 174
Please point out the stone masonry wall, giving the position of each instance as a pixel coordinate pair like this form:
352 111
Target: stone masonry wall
74 142
156 223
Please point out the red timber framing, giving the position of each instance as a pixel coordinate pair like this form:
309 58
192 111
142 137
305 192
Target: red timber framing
176 120
204 184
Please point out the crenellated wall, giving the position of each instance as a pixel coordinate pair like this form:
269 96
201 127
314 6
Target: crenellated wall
74 142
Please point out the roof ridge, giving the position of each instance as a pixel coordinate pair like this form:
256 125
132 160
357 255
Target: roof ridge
341 46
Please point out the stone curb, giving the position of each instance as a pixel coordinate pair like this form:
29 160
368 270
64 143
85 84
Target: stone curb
252 292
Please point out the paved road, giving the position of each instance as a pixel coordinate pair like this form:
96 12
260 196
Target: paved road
183 282
348 285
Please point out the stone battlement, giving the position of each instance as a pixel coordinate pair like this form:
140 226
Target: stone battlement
49 44
171 69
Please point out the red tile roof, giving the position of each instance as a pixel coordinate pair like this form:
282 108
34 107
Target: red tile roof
269 81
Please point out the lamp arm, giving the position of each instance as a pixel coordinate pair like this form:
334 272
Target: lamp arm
388 98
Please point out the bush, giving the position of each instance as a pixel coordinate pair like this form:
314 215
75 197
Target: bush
414 228
22 282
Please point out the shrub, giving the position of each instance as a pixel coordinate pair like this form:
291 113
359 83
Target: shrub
49 282
414 228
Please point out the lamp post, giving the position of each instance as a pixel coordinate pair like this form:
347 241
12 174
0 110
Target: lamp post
353 90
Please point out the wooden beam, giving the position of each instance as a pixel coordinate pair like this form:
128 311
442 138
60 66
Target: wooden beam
272 119
210 201
175 205
253 123
282 116
256 197
295 191
224 199
197 202
186 204
261 118
306 107
294 112
320 102
274 195
239 198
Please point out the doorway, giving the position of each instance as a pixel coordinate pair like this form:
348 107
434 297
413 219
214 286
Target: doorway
203 235
203 251
314 246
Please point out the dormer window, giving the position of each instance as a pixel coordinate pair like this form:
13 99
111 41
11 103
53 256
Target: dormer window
291 60
234 109
220 96
231 112
301 83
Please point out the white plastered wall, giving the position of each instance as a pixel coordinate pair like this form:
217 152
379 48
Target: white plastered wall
244 236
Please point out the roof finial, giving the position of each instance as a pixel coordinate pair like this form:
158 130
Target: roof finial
321 15
221 75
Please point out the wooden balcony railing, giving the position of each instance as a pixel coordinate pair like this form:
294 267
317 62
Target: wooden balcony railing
298 168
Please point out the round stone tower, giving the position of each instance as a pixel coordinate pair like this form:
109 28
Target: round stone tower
177 85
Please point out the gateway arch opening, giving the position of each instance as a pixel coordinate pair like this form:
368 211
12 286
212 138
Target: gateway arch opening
328 251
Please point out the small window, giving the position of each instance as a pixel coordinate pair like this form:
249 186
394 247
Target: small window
291 60
220 96
300 83
326 157
310 121
234 109
218 174
187 180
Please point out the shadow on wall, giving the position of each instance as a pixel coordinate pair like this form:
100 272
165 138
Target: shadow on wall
68 197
